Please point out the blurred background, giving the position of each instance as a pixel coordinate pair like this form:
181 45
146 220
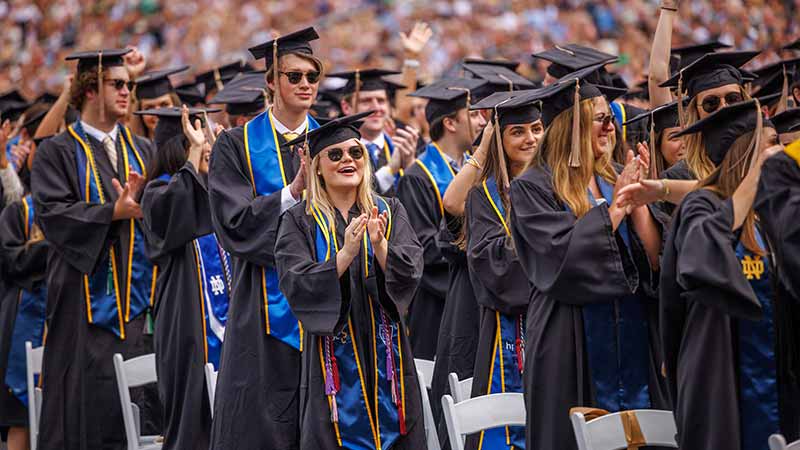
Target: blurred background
36 35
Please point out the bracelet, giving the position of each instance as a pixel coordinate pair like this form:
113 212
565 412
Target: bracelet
474 163
411 63
665 188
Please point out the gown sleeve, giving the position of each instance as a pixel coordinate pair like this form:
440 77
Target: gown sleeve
312 288
23 263
492 258
707 269
778 207
175 211
76 229
403 262
574 261
246 225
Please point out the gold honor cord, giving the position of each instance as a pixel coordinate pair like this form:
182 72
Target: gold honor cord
575 150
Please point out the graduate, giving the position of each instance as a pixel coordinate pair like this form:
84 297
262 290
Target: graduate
252 179
194 275
453 128
591 328
366 90
11 188
86 185
501 287
23 298
665 148
244 97
349 263
729 341
154 90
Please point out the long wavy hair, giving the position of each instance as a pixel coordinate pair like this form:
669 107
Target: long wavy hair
724 180
696 158
571 183
318 195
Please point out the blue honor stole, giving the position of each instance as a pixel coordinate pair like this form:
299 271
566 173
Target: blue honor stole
508 351
758 383
214 283
265 166
360 420
438 170
29 322
114 297
621 115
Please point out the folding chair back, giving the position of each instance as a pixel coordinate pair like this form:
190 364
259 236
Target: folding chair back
426 367
481 413
778 442
460 389
133 373
431 435
33 363
211 386
622 429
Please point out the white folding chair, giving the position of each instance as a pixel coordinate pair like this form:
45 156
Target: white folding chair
607 432
481 413
778 442
460 389
431 435
133 373
211 385
426 367
33 363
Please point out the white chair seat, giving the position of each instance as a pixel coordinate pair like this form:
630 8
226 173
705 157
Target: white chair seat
607 432
481 413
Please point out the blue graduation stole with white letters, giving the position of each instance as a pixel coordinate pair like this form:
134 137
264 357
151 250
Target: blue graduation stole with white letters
438 170
352 412
28 324
214 282
265 164
110 303
508 350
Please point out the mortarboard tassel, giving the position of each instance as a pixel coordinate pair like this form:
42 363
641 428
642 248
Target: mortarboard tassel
575 150
510 83
218 79
756 142
783 104
681 117
357 90
100 86
504 183
653 157
275 74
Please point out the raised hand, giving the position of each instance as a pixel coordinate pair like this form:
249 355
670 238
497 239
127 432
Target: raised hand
414 42
643 151
5 135
194 133
376 226
638 194
405 148
135 62
126 206
353 235
299 183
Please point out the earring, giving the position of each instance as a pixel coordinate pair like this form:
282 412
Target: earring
319 173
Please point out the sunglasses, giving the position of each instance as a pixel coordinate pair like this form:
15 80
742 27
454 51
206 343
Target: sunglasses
336 154
605 119
296 77
119 84
713 102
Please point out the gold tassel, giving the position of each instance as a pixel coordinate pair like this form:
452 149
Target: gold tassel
100 86
783 104
653 152
357 91
275 74
510 83
218 80
575 150
756 142
681 117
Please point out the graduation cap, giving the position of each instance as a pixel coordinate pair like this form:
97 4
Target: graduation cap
794 45
710 71
156 83
296 42
12 105
447 96
691 53
569 58
565 93
659 118
191 93
777 78
331 132
721 129
217 77
98 60
367 80
169 121
499 76
786 121
246 94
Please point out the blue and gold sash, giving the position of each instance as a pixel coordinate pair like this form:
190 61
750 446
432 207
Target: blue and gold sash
438 170
619 113
29 322
214 282
356 422
265 164
508 350
388 151
758 380
113 300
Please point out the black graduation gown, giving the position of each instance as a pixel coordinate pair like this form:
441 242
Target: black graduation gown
458 332
418 197
256 404
23 266
80 408
175 213
325 304
570 264
704 297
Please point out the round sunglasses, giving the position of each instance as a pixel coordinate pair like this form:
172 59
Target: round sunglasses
119 83
336 154
712 103
296 77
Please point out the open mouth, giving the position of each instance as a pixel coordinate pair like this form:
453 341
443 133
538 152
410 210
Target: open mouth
347 170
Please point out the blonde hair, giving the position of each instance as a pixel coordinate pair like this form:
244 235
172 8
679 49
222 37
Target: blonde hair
317 195
571 183
696 158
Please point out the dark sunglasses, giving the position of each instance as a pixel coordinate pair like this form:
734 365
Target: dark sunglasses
119 84
296 77
713 102
336 154
605 119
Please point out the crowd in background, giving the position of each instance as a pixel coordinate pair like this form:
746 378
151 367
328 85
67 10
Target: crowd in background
37 34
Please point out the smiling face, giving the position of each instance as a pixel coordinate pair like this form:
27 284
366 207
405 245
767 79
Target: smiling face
602 127
377 101
521 141
165 101
672 149
298 96
348 171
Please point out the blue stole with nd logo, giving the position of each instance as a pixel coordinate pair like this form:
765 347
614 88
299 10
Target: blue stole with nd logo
265 165
214 282
438 170
358 424
508 350
112 302
758 383
29 323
